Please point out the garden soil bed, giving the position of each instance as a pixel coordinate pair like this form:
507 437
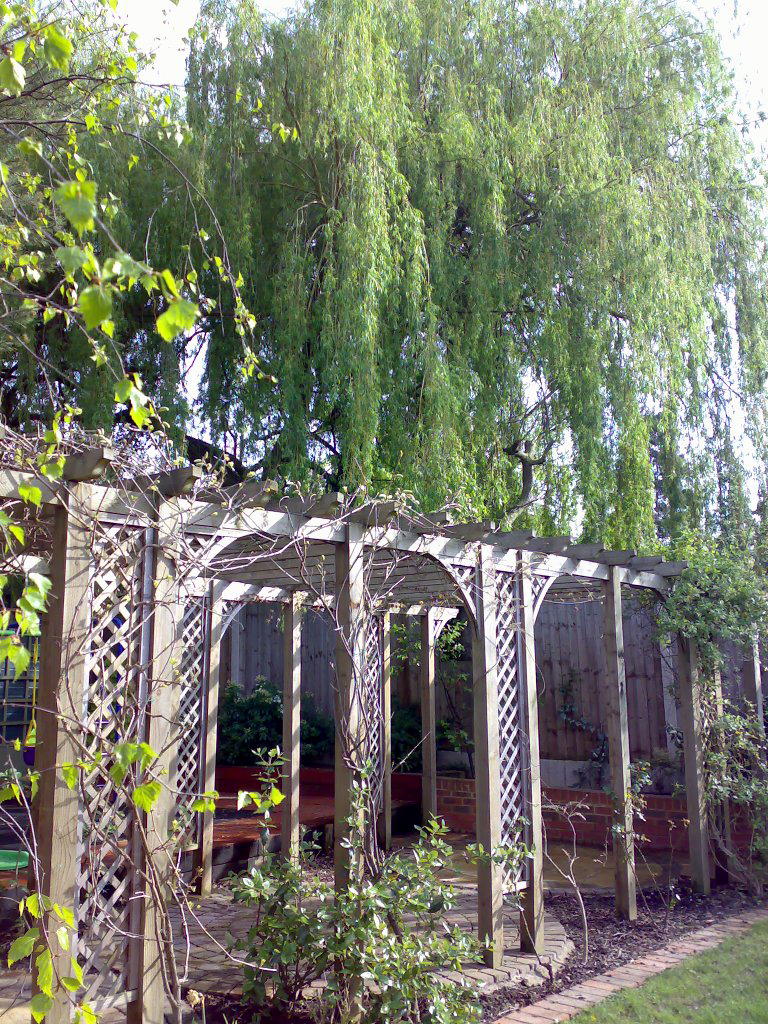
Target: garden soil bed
612 942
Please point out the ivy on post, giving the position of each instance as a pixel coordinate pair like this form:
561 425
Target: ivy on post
208 753
289 836
428 716
350 666
385 818
617 728
490 885
532 911
692 723
152 967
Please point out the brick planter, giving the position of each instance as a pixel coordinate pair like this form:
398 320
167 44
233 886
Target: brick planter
665 817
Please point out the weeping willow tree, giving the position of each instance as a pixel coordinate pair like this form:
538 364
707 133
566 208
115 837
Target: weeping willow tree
505 254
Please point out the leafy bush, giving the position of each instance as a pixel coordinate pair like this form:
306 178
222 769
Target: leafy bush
379 964
736 774
254 722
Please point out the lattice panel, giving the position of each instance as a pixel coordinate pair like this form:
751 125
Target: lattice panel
194 675
373 707
114 709
465 575
512 761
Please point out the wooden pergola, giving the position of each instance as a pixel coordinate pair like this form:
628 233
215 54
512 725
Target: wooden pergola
144 580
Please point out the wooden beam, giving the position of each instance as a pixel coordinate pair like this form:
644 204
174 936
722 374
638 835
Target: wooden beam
645 563
490 881
617 557
588 551
248 494
88 465
172 483
350 668
532 907
385 820
373 513
617 728
63 680
470 531
316 507
670 568
215 633
289 836
692 722
428 718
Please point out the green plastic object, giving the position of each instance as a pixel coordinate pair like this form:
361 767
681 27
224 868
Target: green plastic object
13 860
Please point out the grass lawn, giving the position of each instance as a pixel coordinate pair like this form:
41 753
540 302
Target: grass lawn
726 985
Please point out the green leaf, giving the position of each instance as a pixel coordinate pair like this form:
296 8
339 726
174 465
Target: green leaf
180 316
275 796
23 946
44 965
96 305
71 257
64 914
31 494
71 984
146 795
57 48
40 1005
62 936
12 76
78 201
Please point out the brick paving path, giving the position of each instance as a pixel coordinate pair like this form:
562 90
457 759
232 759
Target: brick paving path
563 1005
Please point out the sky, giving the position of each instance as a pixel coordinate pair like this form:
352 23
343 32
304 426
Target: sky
743 24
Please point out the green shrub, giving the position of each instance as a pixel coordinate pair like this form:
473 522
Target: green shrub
379 965
255 722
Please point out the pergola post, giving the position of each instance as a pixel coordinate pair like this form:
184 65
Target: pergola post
163 736
617 728
490 884
63 670
532 909
350 666
692 722
428 717
385 820
289 837
752 683
215 632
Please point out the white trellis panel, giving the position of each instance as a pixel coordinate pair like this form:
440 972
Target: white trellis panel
192 704
114 710
373 716
512 742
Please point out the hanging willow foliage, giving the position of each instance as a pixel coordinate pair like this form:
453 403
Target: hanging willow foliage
505 254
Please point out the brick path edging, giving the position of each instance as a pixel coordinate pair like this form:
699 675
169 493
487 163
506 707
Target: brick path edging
561 1006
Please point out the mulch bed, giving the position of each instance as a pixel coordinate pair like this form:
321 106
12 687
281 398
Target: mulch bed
613 942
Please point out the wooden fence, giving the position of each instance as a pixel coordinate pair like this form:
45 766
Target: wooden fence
569 660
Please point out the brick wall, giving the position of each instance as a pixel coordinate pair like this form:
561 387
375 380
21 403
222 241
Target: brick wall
664 816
